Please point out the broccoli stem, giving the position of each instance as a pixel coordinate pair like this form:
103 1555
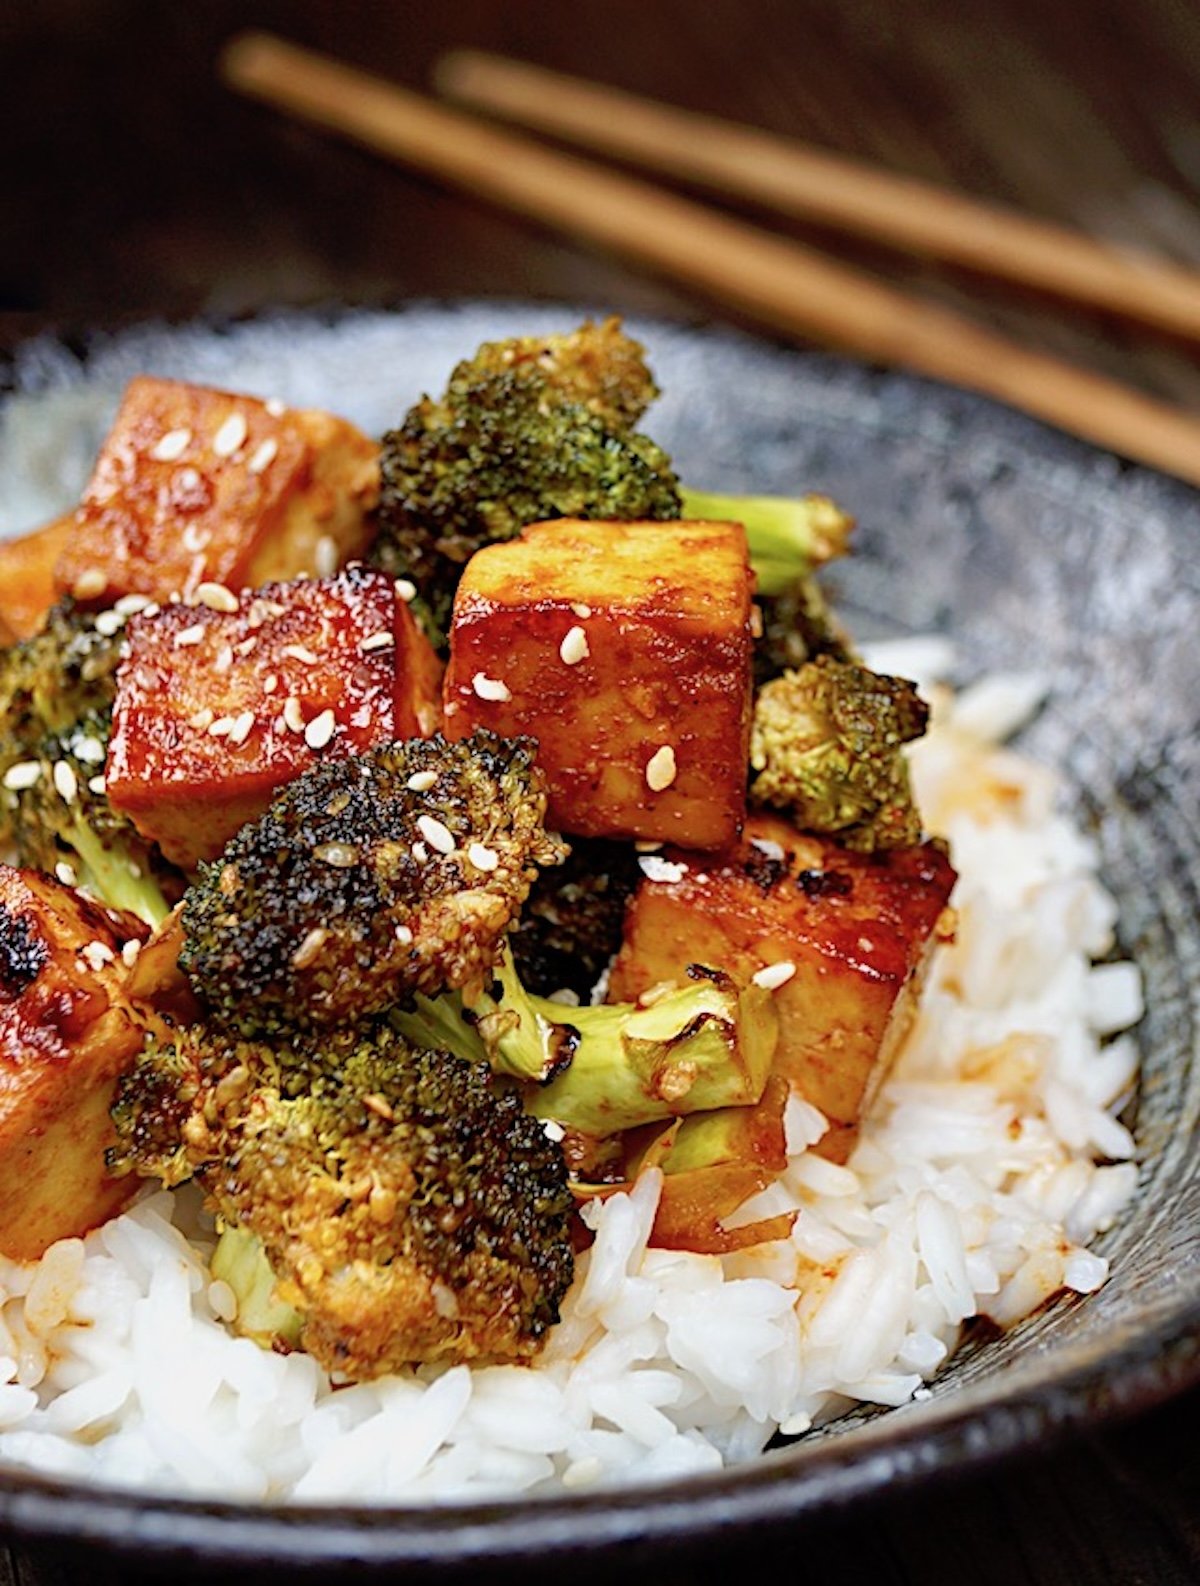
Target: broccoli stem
788 537
113 878
240 1260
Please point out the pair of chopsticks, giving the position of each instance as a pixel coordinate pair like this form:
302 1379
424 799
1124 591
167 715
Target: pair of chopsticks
779 283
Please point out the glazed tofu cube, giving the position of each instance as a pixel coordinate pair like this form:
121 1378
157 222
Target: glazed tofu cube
27 589
194 485
219 705
66 1033
857 930
625 650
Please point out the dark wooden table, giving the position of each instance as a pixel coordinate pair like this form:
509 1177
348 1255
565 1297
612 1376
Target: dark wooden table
131 186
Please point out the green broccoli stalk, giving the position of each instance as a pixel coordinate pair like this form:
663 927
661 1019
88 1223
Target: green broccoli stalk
240 1261
602 1070
788 538
827 744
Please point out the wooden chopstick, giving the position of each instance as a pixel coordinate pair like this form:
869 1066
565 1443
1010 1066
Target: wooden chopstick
835 190
782 285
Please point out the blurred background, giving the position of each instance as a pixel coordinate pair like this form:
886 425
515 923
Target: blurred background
134 186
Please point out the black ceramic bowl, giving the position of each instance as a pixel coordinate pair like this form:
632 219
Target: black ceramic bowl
973 522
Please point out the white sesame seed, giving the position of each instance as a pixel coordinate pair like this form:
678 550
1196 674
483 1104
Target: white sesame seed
574 647
230 435
490 687
90 583
320 730
130 605
406 589
97 784
216 597
377 641
223 659
195 539
65 873
421 781
293 714
310 948
660 769
187 636
420 853
771 849
109 623
436 834
90 750
270 683
300 652
150 609
555 1132
275 407
65 781
655 868
246 646
130 951
242 727
403 935
222 727
172 446
203 719
264 455
25 774
325 556
482 857
188 479
772 976
582 611
97 954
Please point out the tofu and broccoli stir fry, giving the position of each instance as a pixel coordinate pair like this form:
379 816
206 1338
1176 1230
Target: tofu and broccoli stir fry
413 840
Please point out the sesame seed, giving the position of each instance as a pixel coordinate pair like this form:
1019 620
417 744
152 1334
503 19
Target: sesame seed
203 719
420 853
436 834
195 538
768 847
655 868
172 446
310 948
490 687
342 856
223 659
97 784
90 750
130 605
293 714
246 646
553 1131
772 976
264 455
130 951
377 641
216 597
574 647
647 845
222 727
300 652
325 556
65 873
65 781
421 781
90 583
275 407
405 589
242 727
192 635
270 683
109 623
189 479
756 622
660 769
320 730
230 436
581 610
25 774
96 955
482 857
380 1106
403 935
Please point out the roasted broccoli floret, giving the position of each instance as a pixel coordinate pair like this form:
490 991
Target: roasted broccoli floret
827 744
61 821
366 880
527 430
601 1070
408 1207
570 928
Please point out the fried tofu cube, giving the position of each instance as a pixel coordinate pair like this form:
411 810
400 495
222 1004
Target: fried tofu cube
66 1034
195 485
217 709
27 588
857 930
625 650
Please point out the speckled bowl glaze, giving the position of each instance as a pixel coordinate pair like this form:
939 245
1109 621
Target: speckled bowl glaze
1025 547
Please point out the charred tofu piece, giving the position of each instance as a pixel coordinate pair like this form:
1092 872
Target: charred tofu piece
625 650
856 929
27 588
66 1033
196 486
219 705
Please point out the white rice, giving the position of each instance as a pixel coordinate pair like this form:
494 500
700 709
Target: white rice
993 1158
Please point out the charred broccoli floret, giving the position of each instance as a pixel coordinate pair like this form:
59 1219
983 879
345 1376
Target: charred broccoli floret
827 743
527 430
366 880
408 1207
601 1070
570 928
62 822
